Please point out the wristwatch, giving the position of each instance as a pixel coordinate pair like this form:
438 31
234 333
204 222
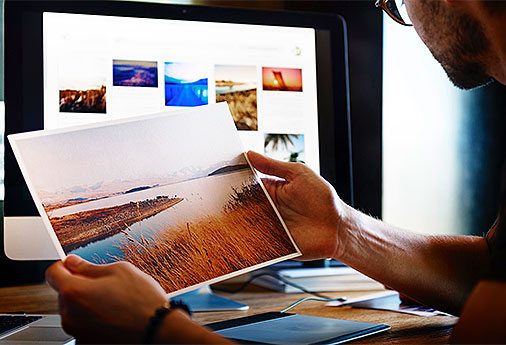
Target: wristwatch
156 320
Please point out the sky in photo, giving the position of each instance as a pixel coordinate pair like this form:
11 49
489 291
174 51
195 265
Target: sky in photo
135 63
176 143
186 72
242 74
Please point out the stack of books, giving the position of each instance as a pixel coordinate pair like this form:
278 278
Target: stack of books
318 279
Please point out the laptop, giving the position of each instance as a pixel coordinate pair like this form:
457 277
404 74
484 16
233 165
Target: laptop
32 329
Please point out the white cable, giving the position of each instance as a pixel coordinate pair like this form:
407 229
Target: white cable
320 299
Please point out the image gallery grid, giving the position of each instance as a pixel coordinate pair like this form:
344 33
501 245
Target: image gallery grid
272 99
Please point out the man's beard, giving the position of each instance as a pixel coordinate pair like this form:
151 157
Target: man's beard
465 75
462 46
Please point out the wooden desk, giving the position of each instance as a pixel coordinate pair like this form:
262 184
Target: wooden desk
406 329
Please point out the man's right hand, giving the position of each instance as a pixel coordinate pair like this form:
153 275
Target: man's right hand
309 205
113 304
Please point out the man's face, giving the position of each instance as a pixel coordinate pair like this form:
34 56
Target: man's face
456 40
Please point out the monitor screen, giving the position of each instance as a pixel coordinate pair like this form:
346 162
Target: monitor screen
283 75
108 67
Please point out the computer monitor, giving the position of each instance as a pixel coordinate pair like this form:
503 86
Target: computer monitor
283 74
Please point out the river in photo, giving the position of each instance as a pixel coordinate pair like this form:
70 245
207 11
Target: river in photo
201 197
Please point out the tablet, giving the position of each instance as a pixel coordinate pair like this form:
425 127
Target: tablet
285 328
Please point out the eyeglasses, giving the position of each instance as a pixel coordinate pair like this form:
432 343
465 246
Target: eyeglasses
396 9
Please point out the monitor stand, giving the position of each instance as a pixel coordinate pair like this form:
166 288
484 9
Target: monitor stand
204 299
311 275
17 231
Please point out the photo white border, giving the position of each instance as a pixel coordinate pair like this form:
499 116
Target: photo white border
218 107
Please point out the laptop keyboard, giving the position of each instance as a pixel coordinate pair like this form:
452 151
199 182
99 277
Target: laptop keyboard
11 322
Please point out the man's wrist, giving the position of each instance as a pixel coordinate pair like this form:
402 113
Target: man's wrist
170 328
345 218
157 322
154 323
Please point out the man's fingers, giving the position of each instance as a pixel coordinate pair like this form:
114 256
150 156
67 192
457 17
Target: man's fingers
272 186
269 185
58 275
80 266
271 166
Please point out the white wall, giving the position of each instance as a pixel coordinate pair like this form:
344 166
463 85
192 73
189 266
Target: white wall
421 111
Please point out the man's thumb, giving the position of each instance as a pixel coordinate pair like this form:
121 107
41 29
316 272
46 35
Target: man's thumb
77 265
271 166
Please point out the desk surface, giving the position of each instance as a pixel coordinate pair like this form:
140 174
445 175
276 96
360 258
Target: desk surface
406 329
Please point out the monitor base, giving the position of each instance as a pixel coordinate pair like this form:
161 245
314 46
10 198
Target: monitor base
204 300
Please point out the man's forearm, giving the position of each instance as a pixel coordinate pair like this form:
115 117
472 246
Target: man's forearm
439 271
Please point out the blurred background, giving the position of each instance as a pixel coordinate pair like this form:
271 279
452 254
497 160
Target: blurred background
427 157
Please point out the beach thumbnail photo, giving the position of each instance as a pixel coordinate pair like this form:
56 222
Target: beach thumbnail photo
282 79
183 206
186 84
134 73
285 147
237 86
82 85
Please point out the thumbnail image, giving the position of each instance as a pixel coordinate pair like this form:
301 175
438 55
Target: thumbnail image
237 86
82 85
282 79
285 147
134 73
186 84
195 215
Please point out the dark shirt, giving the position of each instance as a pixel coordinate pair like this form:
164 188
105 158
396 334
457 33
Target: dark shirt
496 237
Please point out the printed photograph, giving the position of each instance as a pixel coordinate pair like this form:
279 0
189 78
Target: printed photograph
186 84
134 73
183 206
285 147
82 85
237 86
282 79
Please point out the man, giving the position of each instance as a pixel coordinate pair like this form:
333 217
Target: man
463 275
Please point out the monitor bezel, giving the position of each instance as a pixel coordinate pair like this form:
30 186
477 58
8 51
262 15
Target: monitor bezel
23 48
